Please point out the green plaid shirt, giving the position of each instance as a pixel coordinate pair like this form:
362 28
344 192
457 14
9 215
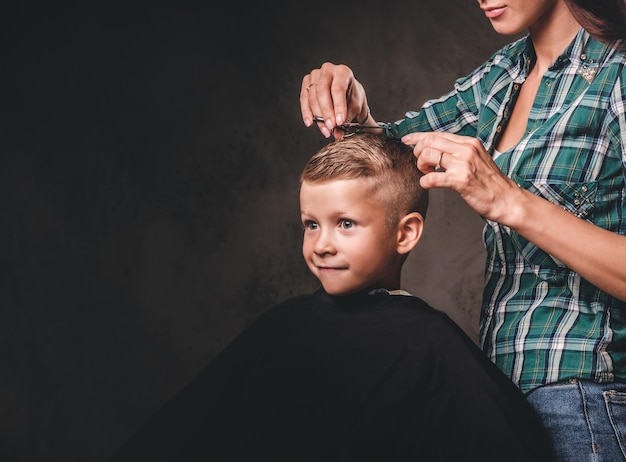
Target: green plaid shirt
541 322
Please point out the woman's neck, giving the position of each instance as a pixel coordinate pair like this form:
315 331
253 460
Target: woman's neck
551 36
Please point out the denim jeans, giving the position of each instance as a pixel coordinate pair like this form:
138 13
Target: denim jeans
585 421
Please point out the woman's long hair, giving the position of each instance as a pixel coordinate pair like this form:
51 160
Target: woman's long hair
605 20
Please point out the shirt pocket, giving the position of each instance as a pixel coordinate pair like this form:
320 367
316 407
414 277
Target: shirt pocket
576 198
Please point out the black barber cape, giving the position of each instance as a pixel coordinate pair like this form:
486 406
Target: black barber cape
361 378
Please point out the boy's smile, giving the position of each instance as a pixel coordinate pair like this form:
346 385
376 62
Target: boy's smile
348 243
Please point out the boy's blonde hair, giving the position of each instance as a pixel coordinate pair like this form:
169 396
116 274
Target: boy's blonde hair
386 160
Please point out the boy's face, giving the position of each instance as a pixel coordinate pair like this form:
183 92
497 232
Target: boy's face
348 243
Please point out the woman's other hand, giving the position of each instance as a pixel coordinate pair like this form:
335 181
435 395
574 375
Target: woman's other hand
461 163
333 93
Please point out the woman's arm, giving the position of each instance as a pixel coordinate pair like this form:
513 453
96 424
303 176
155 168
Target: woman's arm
596 254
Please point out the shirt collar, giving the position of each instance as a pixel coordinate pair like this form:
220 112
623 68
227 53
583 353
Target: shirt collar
390 292
359 299
584 53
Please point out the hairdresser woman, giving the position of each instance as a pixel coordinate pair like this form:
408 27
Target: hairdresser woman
534 141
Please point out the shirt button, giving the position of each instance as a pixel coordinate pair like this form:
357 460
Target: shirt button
584 188
498 128
516 87
583 56
547 84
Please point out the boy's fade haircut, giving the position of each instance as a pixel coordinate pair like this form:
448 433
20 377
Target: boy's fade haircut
379 157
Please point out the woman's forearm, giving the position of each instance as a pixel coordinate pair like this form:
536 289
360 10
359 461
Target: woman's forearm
596 254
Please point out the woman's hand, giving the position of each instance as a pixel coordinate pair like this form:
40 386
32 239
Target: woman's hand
333 93
461 163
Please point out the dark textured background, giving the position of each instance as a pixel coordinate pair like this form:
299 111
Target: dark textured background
150 160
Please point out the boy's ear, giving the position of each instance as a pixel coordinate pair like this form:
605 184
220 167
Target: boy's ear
409 232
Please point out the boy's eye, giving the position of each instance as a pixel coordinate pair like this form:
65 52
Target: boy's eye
310 225
347 224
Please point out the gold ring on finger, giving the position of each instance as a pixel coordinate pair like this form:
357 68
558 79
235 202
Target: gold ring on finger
438 167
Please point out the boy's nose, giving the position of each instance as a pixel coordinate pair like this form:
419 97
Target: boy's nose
324 244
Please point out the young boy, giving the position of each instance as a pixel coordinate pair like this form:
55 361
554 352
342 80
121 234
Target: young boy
358 370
